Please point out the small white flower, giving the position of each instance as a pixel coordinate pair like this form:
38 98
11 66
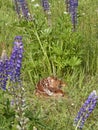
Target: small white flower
6 24
29 14
34 128
49 12
23 89
49 4
94 92
36 5
32 0
65 12
72 104
83 13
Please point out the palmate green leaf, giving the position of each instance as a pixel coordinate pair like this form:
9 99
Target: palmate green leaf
60 62
46 32
57 51
74 61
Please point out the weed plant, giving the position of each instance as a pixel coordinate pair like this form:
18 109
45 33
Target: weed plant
52 50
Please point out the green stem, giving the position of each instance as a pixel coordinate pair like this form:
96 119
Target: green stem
44 52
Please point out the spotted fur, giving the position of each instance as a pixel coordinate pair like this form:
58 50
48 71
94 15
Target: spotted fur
50 86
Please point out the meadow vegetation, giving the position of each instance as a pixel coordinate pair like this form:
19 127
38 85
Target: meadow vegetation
52 50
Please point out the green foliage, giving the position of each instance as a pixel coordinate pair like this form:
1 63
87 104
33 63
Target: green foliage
52 50
7 114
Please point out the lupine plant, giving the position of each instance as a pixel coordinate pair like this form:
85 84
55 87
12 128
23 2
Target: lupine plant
3 70
86 110
16 89
21 8
46 8
73 4
16 59
45 5
10 69
19 103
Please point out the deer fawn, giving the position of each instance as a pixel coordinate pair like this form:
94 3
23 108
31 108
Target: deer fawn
50 86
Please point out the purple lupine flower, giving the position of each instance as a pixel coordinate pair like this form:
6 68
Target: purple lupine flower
16 59
1 74
46 8
3 70
22 7
45 5
73 4
85 110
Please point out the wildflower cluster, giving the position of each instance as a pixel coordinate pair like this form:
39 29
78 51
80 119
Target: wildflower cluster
3 70
71 7
86 110
21 8
19 102
10 67
46 8
45 5
16 59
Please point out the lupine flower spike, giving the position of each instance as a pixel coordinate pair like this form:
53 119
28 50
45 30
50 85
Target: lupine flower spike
86 110
73 4
3 70
16 59
21 8
46 8
45 5
16 89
